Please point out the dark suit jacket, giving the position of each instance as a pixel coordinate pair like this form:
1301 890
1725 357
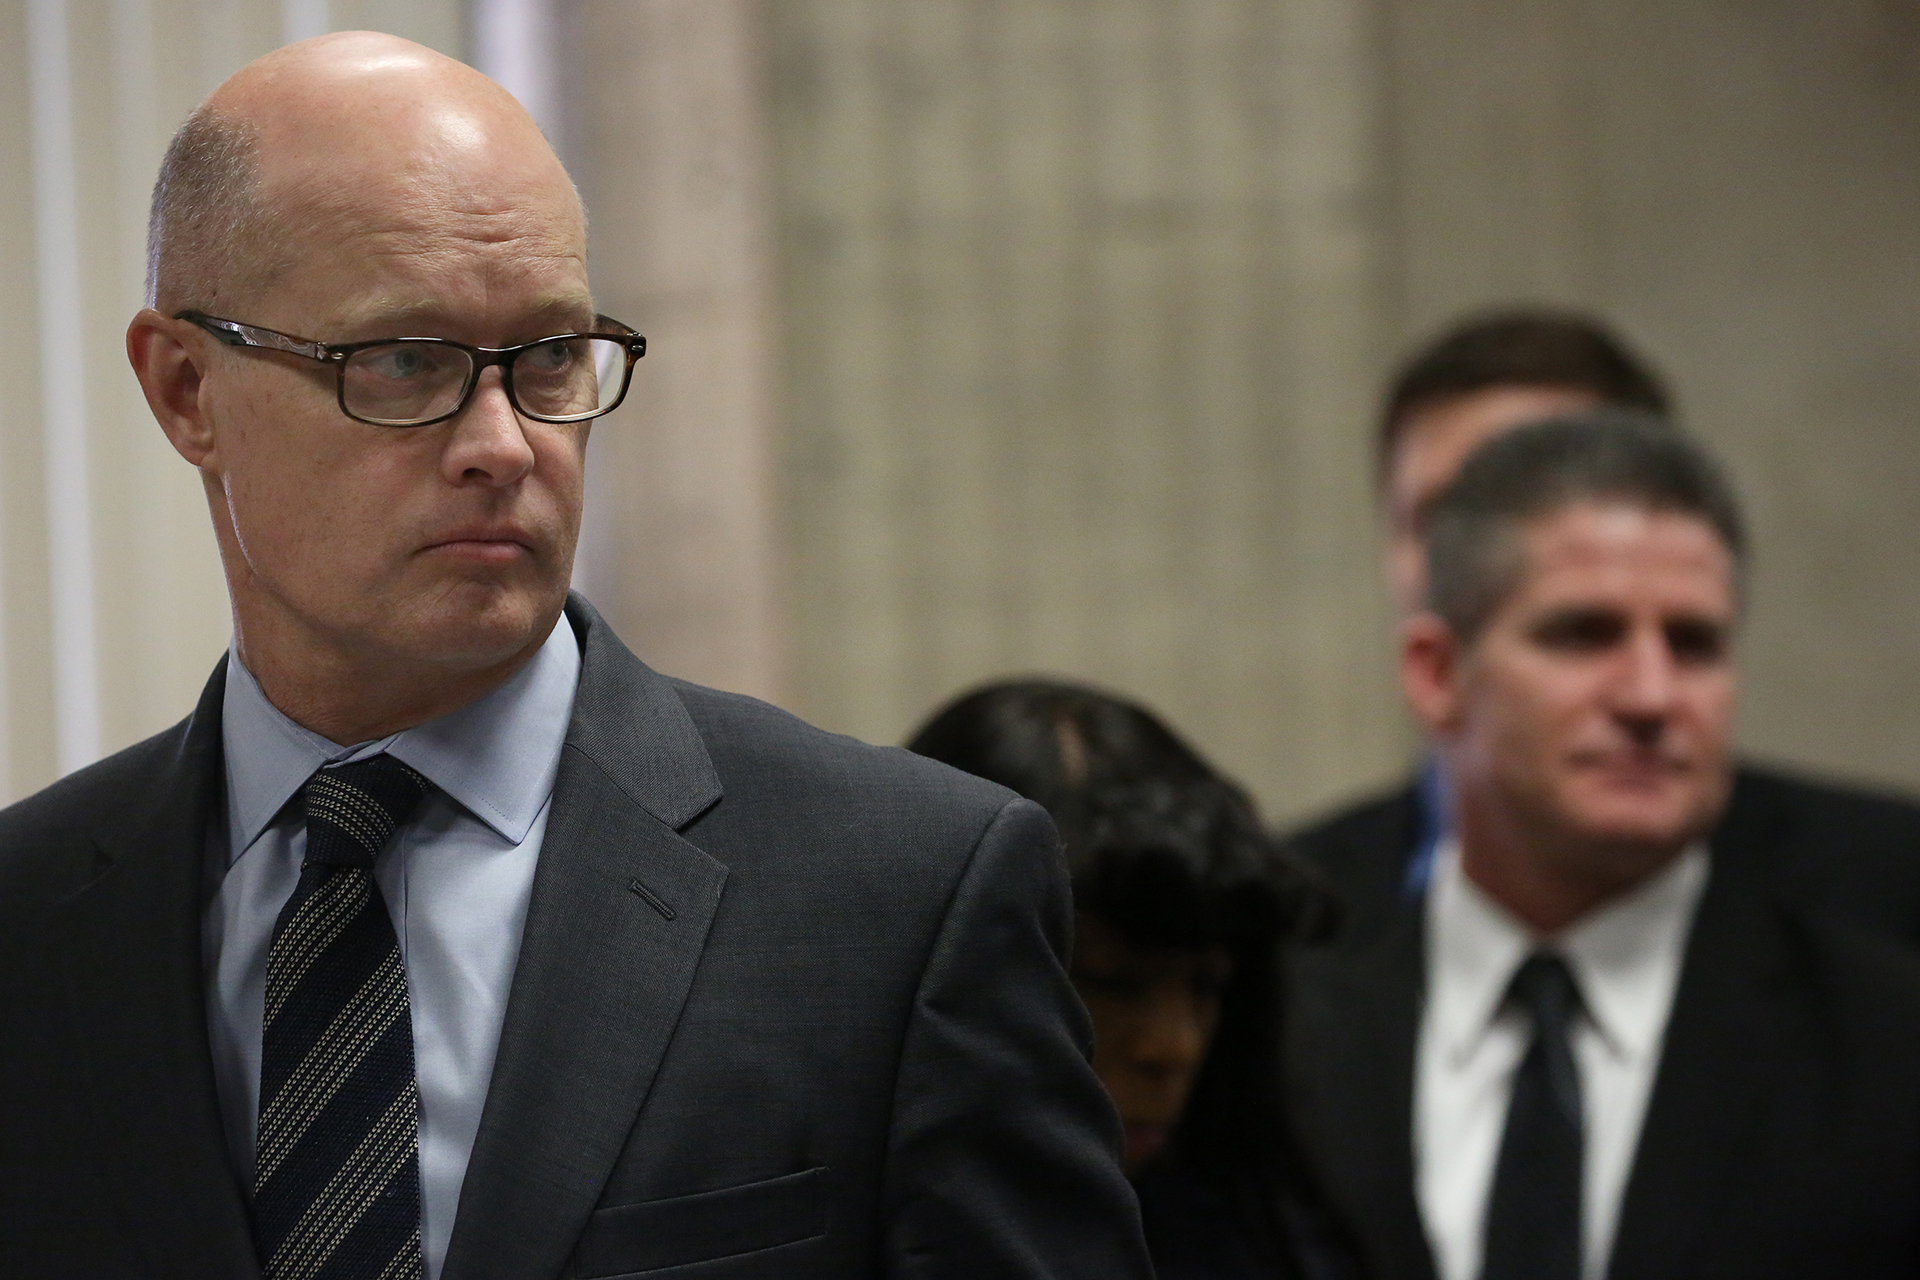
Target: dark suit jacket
1783 1134
787 1005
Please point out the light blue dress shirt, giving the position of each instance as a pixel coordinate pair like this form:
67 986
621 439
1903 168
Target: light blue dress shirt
456 879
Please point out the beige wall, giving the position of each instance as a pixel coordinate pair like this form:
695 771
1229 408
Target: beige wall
664 126
1082 312
26 711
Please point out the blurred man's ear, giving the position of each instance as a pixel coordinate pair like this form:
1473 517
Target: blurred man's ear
1431 662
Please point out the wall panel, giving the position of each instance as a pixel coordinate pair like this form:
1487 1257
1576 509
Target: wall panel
1081 313
664 125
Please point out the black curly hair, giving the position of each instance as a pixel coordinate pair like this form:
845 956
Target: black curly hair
1172 855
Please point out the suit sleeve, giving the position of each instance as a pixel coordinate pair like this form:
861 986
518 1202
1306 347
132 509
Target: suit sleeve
1003 1153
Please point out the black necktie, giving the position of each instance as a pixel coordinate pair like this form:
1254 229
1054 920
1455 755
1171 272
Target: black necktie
1533 1214
336 1185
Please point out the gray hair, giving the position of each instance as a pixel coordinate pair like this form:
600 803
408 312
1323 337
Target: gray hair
207 231
1475 556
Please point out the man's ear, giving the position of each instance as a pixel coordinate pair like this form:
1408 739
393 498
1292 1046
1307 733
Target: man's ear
1431 661
168 358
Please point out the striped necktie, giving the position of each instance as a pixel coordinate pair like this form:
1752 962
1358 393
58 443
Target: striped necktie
336 1187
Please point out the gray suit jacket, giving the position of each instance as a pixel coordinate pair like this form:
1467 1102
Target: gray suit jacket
787 1005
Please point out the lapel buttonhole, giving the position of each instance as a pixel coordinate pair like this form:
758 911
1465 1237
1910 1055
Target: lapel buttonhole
652 899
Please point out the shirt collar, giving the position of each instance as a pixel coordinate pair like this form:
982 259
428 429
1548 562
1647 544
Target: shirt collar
496 757
1625 957
1473 948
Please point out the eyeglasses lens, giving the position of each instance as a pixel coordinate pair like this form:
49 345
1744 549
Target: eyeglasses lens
401 383
570 378
405 382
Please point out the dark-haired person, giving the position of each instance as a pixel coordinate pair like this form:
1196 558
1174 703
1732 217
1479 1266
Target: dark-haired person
1628 1028
1180 900
1485 375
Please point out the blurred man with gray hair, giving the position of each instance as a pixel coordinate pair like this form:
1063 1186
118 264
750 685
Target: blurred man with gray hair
1622 1029
1500 369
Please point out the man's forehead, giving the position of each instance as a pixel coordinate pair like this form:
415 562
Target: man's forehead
401 192
399 313
1438 437
1618 547
426 287
418 254
1620 525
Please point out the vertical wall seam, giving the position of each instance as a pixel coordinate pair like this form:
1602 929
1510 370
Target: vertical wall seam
513 45
300 19
76 693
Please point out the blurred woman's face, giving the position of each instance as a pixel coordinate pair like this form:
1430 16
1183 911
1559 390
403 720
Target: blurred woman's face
1154 1015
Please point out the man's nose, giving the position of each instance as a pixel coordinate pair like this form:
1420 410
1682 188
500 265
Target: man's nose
489 442
1645 690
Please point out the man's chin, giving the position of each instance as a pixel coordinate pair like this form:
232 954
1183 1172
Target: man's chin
1640 830
476 628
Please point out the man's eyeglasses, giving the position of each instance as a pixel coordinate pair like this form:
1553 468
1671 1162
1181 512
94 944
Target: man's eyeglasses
413 382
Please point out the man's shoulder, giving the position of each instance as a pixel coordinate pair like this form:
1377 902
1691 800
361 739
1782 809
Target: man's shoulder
1389 817
759 762
1362 850
1832 848
773 763
812 825
1364 843
1805 805
46 839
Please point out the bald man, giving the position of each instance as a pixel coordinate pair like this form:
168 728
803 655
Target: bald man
445 938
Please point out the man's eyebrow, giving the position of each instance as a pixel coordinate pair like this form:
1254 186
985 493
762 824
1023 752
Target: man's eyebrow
425 319
1566 621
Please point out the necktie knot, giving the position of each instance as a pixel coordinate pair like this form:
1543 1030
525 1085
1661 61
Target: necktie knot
1544 987
354 809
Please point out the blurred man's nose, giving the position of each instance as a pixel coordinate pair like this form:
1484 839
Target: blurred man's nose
1644 691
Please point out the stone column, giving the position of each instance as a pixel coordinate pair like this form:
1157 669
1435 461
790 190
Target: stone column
663 123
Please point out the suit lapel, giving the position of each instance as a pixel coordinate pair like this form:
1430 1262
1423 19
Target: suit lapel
138 1022
1355 1017
619 915
1723 1044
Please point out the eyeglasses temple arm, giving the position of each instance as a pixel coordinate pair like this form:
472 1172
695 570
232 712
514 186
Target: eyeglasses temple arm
281 342
235 334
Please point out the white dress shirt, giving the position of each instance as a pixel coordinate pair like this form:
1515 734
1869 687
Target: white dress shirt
456 879
1626 959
